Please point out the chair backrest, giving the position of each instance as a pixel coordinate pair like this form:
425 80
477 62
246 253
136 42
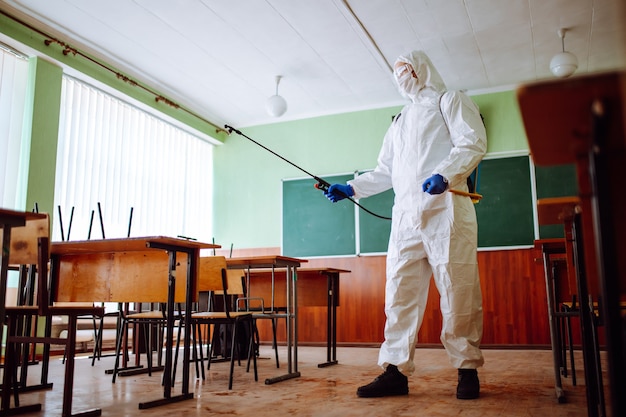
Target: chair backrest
210 276
215 277
24 241
210 272
235 281
30 247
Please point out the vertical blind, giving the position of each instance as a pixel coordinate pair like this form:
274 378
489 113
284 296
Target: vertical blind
13 151
115 154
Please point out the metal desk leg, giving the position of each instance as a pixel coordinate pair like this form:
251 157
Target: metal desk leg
292 328
332 280
554 337
594 404
167 376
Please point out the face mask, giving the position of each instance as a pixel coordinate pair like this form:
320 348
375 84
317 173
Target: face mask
408 83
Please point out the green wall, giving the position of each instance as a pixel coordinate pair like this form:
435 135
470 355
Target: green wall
503 120
247 193
247 210
42 126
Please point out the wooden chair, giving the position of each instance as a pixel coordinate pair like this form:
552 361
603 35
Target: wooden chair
569 309
81 337
213 277
102 327
260 311
143 292
30 247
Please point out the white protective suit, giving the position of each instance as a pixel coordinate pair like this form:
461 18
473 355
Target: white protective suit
438 132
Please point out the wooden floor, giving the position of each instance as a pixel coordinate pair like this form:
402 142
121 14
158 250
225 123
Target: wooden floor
513 383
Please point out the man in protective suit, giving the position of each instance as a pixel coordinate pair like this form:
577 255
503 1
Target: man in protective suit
432 145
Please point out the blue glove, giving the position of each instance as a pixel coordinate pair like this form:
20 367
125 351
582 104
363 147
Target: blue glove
338 192
436 184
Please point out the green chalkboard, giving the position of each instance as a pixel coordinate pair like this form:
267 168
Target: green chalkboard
374 231
312 225
505 214
555 181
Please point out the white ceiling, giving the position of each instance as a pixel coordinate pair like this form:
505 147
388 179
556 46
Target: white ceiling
219 58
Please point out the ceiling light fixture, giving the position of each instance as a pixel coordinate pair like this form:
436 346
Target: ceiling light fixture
276 105
564 63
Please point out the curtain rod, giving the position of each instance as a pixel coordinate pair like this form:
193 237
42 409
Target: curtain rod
67 49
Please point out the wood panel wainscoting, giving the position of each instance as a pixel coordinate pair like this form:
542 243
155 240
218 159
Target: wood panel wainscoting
514 301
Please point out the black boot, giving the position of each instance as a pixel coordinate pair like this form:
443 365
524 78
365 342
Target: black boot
469 386
390 382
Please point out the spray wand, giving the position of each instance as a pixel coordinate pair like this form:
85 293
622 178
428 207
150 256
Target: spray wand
321 185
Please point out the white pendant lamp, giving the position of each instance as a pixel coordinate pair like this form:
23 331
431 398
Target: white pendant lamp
564 63
276 105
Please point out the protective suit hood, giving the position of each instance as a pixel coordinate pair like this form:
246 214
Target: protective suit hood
430 83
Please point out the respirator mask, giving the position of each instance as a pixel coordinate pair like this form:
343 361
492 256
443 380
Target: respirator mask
405 79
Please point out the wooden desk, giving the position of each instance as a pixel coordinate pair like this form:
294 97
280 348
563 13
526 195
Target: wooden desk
10 219
576 248
580 121
553 251
567 211
310 293
108 265
291 294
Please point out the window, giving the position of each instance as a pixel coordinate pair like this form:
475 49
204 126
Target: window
13 151
114 154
